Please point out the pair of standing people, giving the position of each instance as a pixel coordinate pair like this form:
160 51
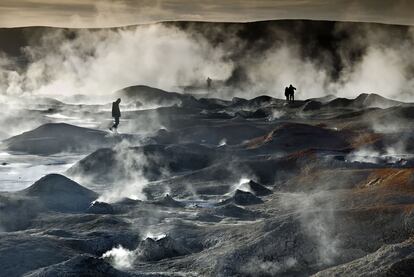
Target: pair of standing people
290 93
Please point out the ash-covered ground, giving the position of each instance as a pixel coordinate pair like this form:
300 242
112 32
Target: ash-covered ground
210 187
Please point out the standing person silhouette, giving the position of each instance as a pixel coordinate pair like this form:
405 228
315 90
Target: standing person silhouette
287 94
292 93
116 114
209 83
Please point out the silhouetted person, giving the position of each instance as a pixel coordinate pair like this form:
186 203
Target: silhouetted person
287 94
292 93
209 83
116 114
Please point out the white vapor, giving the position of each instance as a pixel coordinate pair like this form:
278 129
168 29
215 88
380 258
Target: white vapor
101 61
256 267
317 218
98 62
120 257
132 181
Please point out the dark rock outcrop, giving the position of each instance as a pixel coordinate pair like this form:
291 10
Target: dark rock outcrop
243 198
52 138
58 193
100 208
168 201
257 189
155 250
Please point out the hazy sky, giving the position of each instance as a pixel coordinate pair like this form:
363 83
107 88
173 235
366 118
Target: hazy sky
104 13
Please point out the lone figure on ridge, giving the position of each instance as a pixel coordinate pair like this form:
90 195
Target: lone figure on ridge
209 83
116 114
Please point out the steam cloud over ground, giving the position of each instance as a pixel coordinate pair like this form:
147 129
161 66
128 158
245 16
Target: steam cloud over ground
320 57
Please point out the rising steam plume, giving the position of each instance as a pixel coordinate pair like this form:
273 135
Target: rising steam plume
243 59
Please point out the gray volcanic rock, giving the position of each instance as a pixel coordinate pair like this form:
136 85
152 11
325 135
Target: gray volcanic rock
150 160
259 113
257 189
100 208
312 105
168 201
213 103
246 198
98 242
81 265
231 210
339 103
52 138
20 253
388 261
294 137
323 99
234 133
243 198
255 103
155 250
58 193
16 213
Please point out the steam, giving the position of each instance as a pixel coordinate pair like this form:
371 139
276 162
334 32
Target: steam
256 267
276 114
98 62
281 66
222 142
240 185
155 235
120 257
132 182
317 218
393 153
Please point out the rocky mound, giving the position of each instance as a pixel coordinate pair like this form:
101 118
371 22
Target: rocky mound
255 103
339 103
256 188
58 193
150 160
243 198
364 100
323 99
296 137
168 201
213 103
54 138
259 113
155 250
100 208
153 96
312 105
371 100
231 210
